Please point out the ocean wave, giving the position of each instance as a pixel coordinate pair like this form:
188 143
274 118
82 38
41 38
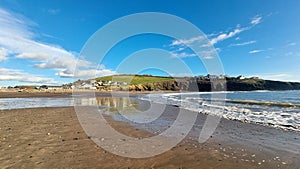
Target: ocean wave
279 115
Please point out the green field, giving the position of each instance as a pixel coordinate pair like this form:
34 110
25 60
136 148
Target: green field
134 79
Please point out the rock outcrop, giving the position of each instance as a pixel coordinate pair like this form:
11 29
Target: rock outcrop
230 84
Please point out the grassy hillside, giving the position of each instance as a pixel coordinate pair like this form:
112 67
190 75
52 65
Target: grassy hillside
135 79
149 83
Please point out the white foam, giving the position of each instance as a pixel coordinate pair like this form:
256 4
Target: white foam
279 117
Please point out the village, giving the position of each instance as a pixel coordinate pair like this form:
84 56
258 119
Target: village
93 84
80 84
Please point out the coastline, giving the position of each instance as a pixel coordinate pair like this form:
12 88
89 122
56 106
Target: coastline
53 137
62 93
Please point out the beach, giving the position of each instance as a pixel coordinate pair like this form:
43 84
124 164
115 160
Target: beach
53 138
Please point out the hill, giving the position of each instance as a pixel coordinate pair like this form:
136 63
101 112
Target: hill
196 83
135 79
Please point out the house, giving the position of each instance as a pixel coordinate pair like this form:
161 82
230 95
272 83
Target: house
88 86
212 77
43 87
114 83
93 81
241 77
55 87
100 83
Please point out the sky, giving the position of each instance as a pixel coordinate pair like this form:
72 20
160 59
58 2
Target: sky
41 41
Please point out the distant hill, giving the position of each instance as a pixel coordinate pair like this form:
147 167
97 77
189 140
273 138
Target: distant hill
196 83
259 84
135 79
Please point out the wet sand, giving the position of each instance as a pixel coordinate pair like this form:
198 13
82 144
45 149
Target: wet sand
67 93
15 94
53 138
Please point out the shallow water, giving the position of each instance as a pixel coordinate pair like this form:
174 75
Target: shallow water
279 109
20 103
105 102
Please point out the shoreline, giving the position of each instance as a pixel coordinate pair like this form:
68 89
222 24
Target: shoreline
69 93
42 137
103 94
234 144
5 94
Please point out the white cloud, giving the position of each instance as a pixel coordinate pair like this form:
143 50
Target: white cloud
207 57
205 54
182 54
17 38
14 25
85 73
255 51
187 41
3 54
21 76
180 49
224 36
243 43
213 39
34 56
208 54
256 20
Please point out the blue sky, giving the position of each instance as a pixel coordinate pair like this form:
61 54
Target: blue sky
40 41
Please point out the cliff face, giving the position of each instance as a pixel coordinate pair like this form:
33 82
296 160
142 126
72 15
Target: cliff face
261 85
194 84
206 85
165 85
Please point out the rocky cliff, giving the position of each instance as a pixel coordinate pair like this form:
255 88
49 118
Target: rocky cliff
229 84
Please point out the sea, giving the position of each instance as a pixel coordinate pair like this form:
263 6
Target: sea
279 109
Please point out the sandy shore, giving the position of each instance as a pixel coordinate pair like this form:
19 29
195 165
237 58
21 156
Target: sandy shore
65 93
34 94
53 138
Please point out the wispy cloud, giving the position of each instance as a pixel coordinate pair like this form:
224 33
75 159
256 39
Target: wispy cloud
53 11
255 51
256 20
182 54
295 54
18 41
244 43
86 73
203 43
187 41
207 57
21 76
213 39
230 34
289 54
3 54
291 44
223 36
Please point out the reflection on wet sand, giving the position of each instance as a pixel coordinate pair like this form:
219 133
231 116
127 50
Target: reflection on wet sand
111 103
